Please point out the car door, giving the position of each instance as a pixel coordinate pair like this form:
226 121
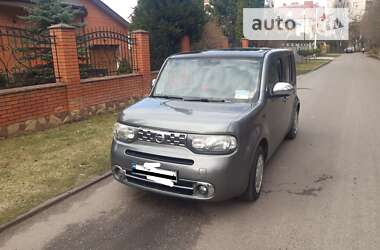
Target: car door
289 77
276 107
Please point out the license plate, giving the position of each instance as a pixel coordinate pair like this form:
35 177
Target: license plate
154 173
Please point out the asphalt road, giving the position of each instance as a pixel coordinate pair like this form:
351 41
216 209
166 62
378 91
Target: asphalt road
321 191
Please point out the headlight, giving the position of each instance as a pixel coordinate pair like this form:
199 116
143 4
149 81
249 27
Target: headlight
213 144
124 133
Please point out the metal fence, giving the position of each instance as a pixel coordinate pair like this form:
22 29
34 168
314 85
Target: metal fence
25 58
105 52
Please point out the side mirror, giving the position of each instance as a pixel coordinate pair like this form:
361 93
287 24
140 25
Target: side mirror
154 82
282 89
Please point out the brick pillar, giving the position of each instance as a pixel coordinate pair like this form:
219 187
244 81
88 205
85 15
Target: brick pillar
185 44
225 43
142 53
66 63
244 43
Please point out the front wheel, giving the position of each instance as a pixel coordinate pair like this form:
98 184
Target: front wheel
256 177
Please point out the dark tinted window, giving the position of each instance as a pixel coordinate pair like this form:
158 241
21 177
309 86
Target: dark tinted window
275 72
286 69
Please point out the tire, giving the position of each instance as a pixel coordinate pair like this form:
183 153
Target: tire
292 134
253 191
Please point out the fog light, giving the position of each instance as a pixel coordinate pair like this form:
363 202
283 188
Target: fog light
203 190
118 173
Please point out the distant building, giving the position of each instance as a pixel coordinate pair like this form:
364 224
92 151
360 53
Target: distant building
357 8
294 4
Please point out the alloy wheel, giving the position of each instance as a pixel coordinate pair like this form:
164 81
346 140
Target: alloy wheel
295 123
259 173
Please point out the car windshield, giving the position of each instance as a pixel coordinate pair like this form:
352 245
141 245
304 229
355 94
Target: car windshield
209 79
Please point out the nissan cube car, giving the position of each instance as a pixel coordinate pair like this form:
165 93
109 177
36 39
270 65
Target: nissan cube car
209 125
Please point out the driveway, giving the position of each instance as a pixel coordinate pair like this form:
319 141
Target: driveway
321 191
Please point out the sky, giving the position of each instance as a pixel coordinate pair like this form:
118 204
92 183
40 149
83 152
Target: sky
123 7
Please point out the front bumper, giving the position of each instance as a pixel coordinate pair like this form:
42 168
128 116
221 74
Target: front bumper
225 176
182 188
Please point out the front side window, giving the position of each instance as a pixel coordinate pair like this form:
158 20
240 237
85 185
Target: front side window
210 78
274 73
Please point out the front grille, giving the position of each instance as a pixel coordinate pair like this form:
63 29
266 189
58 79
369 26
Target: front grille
161 137
159 158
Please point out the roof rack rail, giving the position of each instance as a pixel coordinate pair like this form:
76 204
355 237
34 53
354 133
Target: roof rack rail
189 52
244 49
227 49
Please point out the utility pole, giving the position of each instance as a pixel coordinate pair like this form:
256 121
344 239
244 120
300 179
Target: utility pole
315 28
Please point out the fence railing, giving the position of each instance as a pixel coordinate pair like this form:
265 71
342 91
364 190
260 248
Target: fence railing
105 52
25 58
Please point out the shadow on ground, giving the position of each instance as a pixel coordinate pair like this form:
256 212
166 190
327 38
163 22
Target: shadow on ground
153 222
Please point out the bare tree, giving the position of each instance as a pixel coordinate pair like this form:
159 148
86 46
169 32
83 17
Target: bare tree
370 25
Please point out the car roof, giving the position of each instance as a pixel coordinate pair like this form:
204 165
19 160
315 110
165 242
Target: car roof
228 53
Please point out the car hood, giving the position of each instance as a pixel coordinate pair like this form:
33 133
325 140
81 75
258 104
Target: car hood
184 116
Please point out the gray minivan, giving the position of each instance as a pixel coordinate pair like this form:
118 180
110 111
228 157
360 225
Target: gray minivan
209 125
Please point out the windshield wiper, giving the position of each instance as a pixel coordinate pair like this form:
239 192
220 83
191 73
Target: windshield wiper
191 99
169 97
200 99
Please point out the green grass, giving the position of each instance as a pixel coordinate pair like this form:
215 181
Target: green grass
39 166
310 65
374 53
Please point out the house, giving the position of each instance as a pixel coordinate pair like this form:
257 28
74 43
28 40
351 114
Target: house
95 14
104 49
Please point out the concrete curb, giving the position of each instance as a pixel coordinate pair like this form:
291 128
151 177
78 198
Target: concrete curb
320 66
324 64
374 56
52 202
